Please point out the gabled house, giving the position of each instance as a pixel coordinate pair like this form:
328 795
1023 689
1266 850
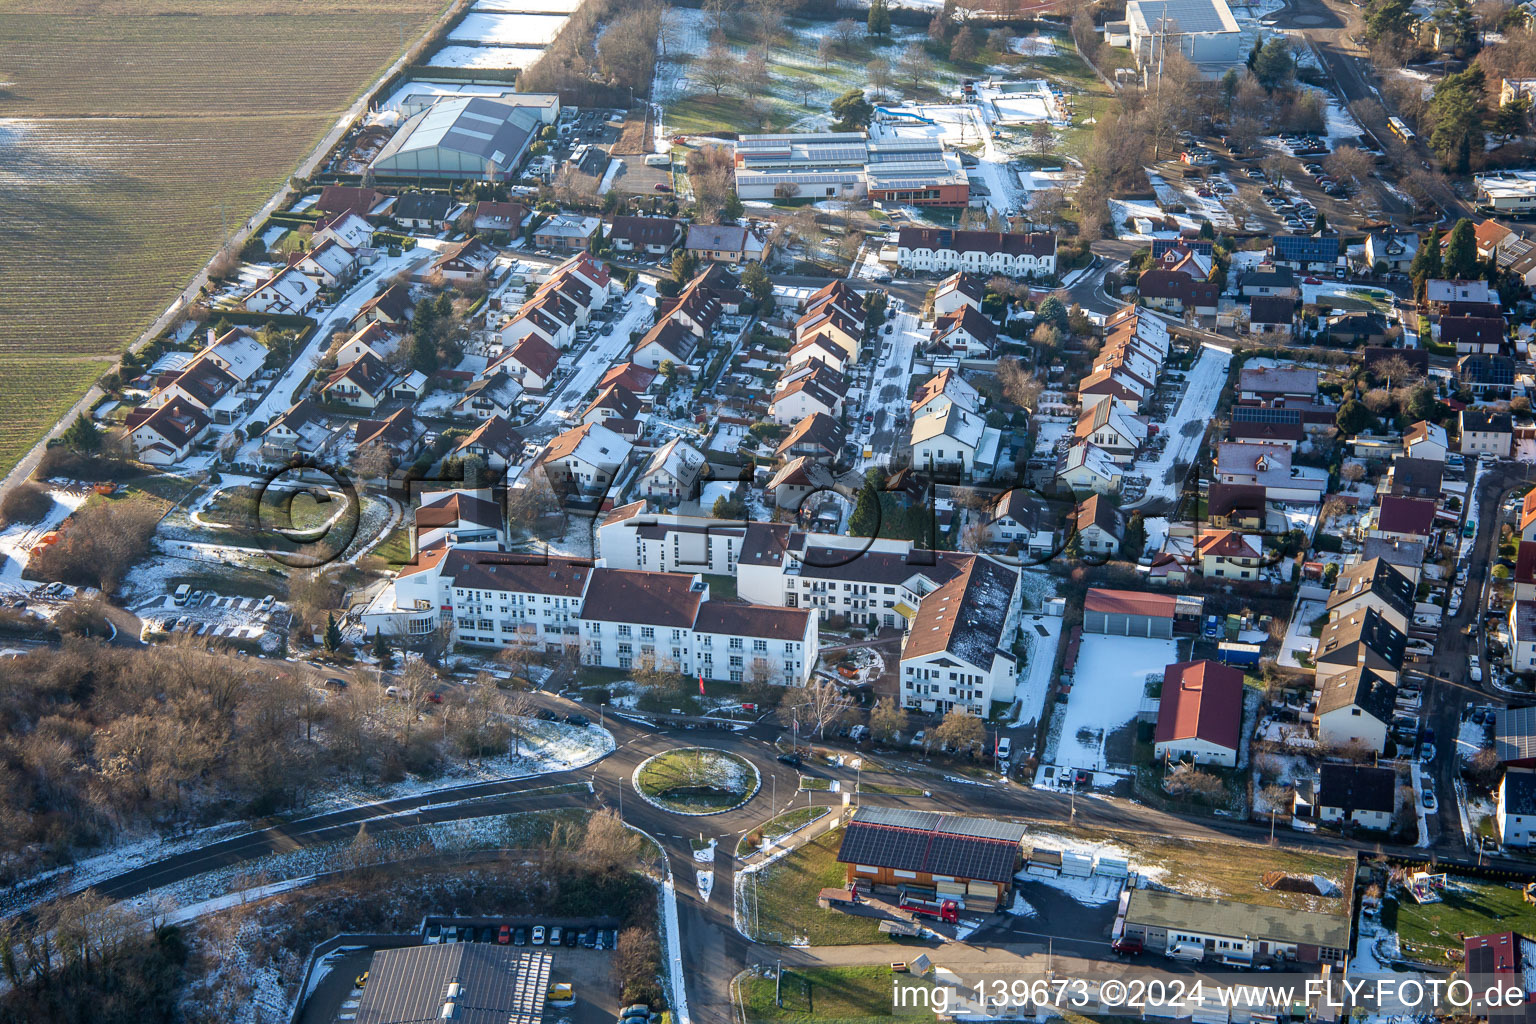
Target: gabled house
630 376
494 394
673 473
1522 636
1427 441
654 236
288 291
1272 314
1268 280
1403 519
1415 478
298 430
1391 251
399 433
964 333
947 439
1200 714
669 341
1115 383
1525 525
1236 506
959 291
494 217
817 435
469 260
343 199
1360 639
942 390
811 389
1177 292
613 402
958 651
1098 526
164 436
348 229
459 518
1487 433
391 307
495 442
422 211
1354 709
1473 334
1085 467
1306 253
585 460
1374 583
328 263
1440 293
1018 518
362 384
533 361
1360 794
727 243
373 339
818 349
1228 554
1112 428
796 480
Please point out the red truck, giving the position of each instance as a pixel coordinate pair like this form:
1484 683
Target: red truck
945 910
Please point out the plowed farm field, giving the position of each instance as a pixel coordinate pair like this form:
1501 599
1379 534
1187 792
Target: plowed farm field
132 134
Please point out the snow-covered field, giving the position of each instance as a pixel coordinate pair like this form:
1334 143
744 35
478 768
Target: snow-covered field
1034 46
528 6
1107 690
486 56
18 539
1186 427
509 29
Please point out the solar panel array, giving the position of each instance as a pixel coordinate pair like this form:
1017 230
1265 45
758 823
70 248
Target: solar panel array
1263 414
924 841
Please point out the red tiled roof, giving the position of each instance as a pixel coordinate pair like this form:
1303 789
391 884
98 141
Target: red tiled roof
1129 602
1201 700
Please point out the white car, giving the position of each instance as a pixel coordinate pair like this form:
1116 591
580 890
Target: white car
1455 605
538 935
1427 753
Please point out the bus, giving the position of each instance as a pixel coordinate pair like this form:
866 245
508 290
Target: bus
1401 130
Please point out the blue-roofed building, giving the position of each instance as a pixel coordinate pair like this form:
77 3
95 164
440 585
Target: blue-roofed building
1306 252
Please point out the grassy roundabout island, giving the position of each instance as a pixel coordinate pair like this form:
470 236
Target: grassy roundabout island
697 780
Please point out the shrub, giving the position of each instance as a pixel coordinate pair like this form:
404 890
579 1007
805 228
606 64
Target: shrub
27 503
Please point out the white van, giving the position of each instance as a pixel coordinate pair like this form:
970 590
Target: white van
659 160
182 593
1189 952
1004 749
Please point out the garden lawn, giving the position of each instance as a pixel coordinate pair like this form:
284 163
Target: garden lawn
786 899
824 995
1428 930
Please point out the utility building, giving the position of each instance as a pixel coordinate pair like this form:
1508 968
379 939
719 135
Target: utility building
460 138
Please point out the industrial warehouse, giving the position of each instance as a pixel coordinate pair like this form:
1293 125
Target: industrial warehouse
850 165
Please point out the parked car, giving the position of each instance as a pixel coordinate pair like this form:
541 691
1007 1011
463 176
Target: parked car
572 937
1429 799
520 937
1427 753
434 934
589 938
793 760
504 934
554 935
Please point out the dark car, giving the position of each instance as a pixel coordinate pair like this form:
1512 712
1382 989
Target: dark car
575 719
793 760
609 938
336 683
571 938
589 938
520 937
487 934
546 715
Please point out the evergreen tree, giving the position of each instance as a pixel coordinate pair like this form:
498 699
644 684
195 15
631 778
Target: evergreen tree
381 652
732 208
1460 260
1320 226
865 521
1052 311
83 435
852 111
1353 417
332 633
1426 262
879 18
1457 114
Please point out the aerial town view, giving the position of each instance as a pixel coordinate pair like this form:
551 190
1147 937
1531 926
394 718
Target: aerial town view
767 511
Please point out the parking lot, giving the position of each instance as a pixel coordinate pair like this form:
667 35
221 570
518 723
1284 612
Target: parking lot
589 972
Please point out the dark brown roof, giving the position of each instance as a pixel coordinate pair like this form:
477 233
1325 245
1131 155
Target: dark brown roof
509 571
643 598
1037 244
754 620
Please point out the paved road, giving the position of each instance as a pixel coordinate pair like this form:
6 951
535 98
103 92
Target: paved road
713 950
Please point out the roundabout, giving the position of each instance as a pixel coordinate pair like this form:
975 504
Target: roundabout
696 781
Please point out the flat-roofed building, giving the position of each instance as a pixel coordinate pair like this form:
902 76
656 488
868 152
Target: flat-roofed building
1204 31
